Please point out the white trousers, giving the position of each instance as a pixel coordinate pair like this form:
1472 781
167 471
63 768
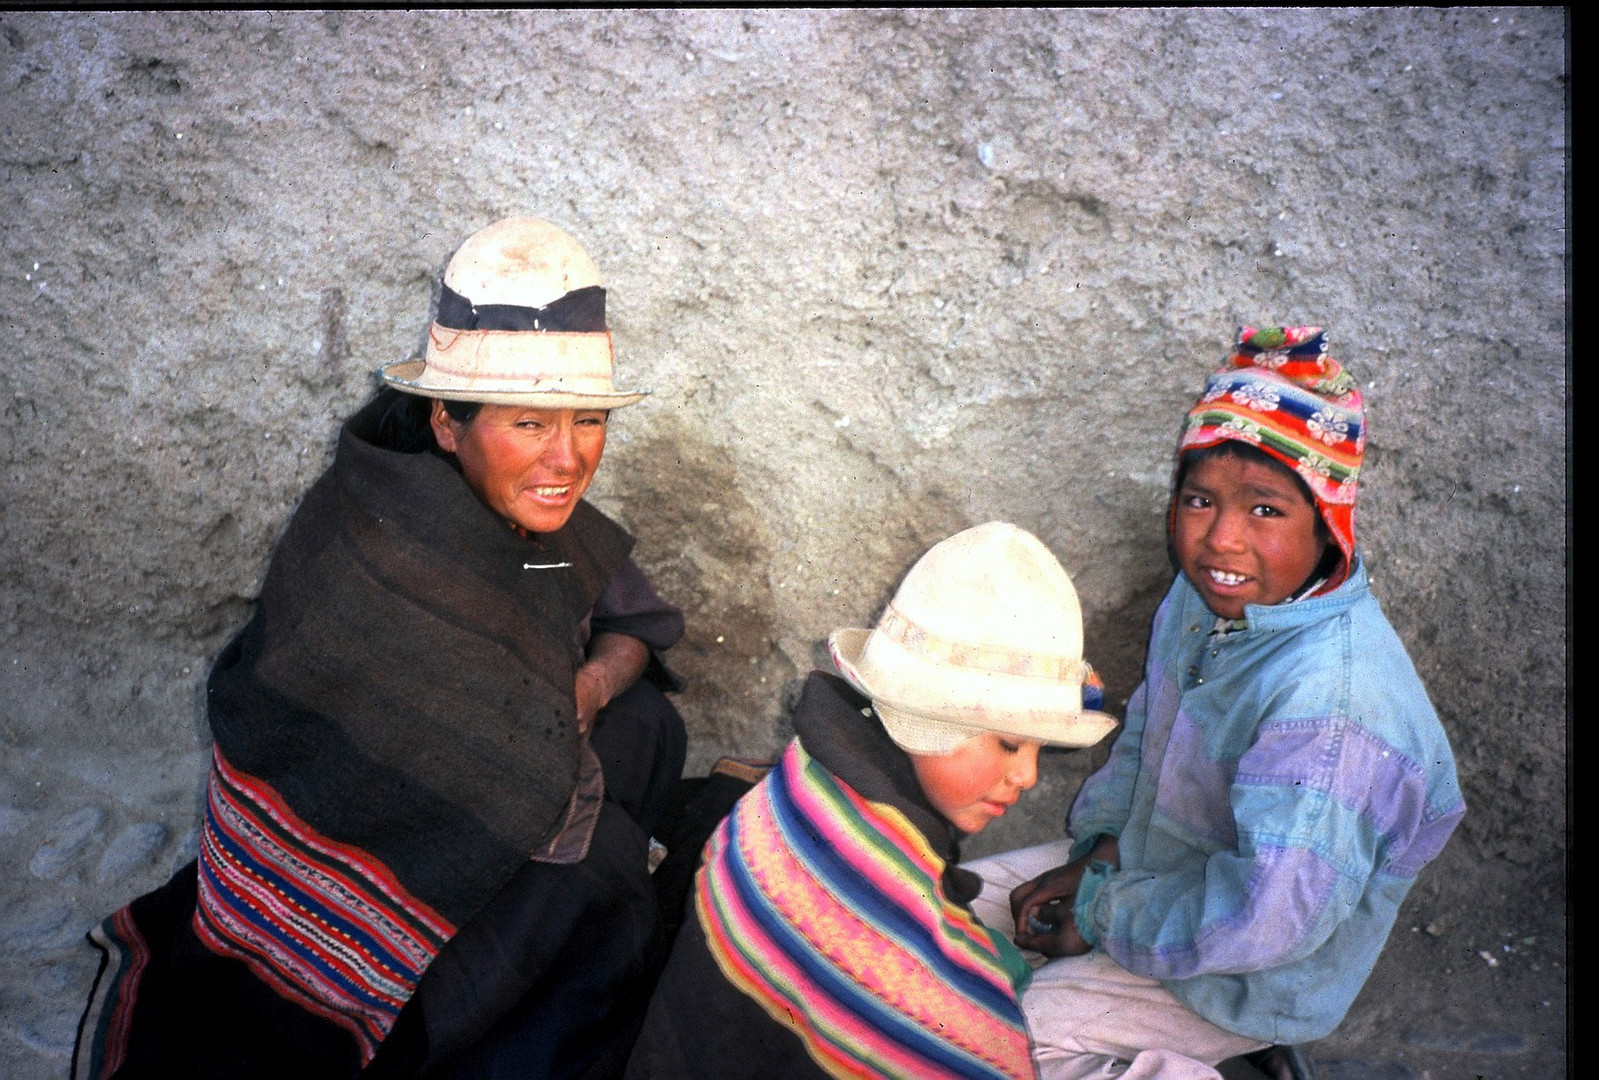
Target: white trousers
1091 1017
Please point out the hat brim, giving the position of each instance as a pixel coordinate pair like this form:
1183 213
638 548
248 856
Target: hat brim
411 376
1007 704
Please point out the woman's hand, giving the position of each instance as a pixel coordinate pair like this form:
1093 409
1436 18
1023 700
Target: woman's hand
615 661
1042 907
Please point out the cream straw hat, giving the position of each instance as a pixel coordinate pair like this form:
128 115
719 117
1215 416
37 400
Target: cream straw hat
984 634
521 322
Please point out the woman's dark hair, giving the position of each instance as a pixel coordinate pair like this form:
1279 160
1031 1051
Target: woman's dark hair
405 420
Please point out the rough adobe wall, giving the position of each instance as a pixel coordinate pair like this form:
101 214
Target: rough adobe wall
890 274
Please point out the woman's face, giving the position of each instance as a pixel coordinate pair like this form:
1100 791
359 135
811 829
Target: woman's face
979 780
530 466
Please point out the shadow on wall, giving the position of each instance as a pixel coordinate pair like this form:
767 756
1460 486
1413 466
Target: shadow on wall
704 547
1115 641
709 549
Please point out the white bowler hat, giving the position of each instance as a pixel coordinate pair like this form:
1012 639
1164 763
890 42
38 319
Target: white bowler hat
521 322
984 634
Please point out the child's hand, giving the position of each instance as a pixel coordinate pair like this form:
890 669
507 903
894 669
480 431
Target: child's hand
1053 931
1042 907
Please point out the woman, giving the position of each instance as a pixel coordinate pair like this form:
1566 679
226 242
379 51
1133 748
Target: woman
436 766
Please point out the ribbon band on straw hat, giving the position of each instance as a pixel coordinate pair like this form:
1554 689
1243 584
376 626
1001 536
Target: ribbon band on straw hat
975 656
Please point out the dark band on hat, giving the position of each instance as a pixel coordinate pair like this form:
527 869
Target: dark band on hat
581 311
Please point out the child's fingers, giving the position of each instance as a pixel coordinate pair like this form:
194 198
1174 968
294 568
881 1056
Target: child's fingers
1053 885
1044 919
1053 943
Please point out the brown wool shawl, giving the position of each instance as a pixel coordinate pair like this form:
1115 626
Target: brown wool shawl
406 683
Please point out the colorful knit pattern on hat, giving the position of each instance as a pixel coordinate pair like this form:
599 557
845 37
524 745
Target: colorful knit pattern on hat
828 911
1282 393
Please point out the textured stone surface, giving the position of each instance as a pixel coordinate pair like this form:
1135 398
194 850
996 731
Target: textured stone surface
890 274
66 842
131 848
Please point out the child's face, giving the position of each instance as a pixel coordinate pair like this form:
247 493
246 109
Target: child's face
1244 533
979 780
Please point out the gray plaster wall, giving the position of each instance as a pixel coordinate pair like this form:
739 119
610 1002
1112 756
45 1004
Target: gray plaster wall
890 273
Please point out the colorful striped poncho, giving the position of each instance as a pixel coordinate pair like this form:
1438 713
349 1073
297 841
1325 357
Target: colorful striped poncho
829 911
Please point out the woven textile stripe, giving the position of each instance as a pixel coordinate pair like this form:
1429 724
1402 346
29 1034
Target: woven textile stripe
324 924
110 1012
828 910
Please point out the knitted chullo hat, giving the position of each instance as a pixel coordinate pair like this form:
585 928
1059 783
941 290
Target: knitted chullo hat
1282 393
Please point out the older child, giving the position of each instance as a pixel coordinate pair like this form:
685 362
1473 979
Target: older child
831 934
1281 777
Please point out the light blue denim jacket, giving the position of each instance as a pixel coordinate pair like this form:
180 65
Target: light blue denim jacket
1274 792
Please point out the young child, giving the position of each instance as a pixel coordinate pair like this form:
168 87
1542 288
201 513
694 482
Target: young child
831 934
1241 857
